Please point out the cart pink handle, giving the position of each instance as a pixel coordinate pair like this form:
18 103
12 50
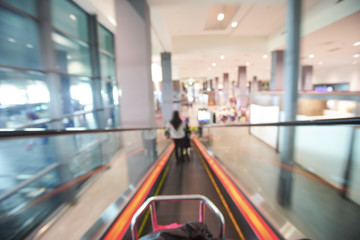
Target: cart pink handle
150 202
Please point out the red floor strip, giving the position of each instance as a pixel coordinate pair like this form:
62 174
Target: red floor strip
122 224
257 223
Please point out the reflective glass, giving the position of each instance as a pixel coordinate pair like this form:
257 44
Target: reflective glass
19 41
80 157
317 175
107 66
73 57
106 40
24 98
70 19
25 5
77 94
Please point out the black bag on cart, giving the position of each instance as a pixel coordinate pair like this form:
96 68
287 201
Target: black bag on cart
190 230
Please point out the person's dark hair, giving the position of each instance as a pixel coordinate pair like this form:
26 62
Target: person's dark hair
176 120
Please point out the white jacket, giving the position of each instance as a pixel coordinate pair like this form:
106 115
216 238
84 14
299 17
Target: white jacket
176 134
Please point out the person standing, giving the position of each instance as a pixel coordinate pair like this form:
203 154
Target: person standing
176 128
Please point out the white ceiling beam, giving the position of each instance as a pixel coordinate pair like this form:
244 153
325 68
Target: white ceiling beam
321 15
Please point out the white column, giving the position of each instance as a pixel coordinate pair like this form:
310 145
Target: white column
277 70
241 100
167 87
306 77
225 88
216 89
133 63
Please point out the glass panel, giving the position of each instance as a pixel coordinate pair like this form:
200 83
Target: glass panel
25 5
77 94
73 57
70 19
268 107
117 166
24 99
107 66
106 40
19 41
316 177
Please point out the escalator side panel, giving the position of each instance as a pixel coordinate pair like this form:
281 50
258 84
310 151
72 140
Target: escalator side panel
248 215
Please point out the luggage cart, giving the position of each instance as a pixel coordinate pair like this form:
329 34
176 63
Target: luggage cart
150 202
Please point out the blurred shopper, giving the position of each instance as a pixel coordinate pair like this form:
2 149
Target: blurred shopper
176 128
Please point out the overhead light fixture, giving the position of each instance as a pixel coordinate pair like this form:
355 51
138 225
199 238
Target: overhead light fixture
213 64
222 56
72 17
357 55
11 40
220 17
265 56
311 56
356 44
247 64
29 45
234 24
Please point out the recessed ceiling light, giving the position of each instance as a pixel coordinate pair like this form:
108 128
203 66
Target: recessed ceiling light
247 64
234 24
29 45
265 56
222 56
220 17
357 55
356 44
11 40
72 17
213 64
311 56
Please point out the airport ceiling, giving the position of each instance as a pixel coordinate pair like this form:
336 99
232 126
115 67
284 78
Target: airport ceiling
189 29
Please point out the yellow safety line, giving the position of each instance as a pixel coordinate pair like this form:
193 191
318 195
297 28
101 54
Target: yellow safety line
232 218
146 217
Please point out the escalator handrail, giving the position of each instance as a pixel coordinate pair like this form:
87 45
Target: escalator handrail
13 133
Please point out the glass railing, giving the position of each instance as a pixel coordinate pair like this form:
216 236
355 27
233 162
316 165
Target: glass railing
43 172
306 185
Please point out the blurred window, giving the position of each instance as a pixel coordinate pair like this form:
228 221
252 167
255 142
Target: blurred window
24 98
107 64
73 57
19 41
27 6
106 40
67 17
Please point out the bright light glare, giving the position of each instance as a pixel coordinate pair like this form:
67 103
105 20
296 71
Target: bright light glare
156 71
29 45
220 17
82 93
222 57
265 56
72 17
247 64
357 55
311 56
214 64
234 24
356 44
11 40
